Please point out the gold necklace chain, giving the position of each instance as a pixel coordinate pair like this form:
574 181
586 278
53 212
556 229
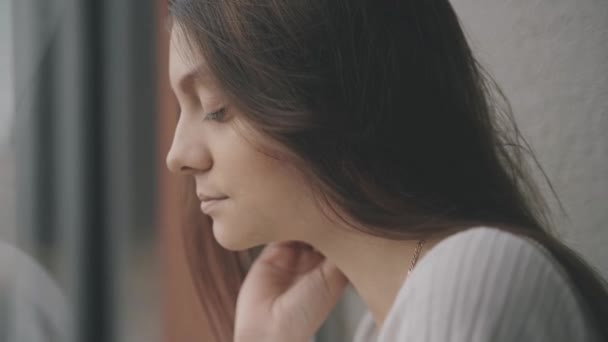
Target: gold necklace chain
416 254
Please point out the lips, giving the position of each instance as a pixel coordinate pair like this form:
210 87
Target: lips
203 197
210 203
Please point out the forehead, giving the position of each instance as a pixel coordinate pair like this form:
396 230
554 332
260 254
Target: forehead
178 63
183 62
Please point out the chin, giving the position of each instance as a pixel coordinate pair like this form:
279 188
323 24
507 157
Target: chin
232 239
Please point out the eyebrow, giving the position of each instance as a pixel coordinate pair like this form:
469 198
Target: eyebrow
198 75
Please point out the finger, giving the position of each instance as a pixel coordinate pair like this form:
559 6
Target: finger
333 279
321 288
291 257
327 280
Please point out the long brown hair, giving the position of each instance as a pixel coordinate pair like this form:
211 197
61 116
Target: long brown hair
389 114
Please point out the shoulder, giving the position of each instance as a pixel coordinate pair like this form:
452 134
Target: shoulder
482 251
486 284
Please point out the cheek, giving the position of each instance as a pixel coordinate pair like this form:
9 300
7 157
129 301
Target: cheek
257 214
267 193
251 174
267 186
271 194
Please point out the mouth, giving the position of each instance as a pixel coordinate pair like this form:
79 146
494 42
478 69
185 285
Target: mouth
203 197
209 203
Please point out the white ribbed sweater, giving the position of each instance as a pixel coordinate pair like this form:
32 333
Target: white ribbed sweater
483 285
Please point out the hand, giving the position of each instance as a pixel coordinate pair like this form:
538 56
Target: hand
287 294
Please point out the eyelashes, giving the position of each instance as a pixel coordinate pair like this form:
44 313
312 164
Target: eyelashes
218 115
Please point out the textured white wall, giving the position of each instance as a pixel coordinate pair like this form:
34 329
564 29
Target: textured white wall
551 59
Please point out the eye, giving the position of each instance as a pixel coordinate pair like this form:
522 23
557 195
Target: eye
219 115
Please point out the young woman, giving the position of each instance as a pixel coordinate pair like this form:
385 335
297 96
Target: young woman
359 140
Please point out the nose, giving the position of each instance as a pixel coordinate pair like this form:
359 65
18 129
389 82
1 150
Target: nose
188 153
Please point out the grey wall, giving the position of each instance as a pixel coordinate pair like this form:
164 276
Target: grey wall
551 59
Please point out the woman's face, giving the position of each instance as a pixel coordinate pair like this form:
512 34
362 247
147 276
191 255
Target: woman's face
260 198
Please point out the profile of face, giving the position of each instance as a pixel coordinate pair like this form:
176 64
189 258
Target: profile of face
259 198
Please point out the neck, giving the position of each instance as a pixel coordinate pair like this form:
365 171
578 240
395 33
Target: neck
377 269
